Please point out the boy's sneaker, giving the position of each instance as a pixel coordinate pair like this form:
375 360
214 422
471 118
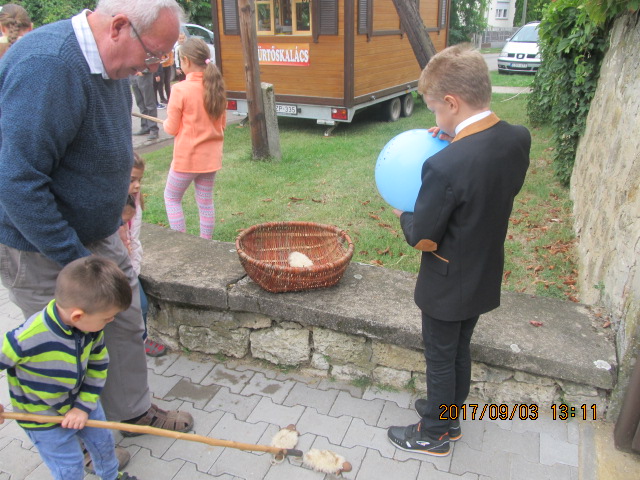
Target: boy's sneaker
126 476
411 439
455 432
161 106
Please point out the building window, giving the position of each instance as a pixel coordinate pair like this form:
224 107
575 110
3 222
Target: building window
283 17
501 13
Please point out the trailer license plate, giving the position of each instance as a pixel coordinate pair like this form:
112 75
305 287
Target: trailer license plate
519 65
287 109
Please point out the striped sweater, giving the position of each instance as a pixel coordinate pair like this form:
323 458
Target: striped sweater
52 367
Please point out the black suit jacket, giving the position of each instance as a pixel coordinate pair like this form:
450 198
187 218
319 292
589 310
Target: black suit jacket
461 217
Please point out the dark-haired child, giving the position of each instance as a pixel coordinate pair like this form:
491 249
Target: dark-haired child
57 363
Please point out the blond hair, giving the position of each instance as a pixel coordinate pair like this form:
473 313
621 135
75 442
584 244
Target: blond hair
215 97
457 70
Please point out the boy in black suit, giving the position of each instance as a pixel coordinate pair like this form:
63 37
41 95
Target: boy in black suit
459 223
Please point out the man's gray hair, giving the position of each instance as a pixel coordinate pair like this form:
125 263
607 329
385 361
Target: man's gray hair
142 13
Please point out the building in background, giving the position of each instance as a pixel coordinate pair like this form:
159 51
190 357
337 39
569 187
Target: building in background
500 21
500 14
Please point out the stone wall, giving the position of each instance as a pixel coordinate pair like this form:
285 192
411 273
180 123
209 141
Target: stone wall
367 328
323 352
605 188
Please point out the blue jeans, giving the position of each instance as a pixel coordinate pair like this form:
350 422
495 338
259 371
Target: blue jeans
60 450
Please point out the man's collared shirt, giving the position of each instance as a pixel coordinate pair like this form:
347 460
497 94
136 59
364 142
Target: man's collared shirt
88 43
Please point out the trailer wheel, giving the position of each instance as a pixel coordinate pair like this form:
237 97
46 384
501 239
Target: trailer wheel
407 105
393 108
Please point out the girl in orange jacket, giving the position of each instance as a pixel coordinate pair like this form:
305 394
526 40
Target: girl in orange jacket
196 116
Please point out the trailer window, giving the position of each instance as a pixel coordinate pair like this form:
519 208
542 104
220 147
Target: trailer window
283 17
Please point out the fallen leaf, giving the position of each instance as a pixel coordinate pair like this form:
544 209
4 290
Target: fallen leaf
367 202
377 262
505 277
386 251
238 213
374 216
363 252
317 201
296 199
536 323
267 199
606 324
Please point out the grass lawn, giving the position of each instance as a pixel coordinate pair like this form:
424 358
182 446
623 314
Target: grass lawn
512 80
331 180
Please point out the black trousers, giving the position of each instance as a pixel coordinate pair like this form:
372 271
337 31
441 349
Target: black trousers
448 356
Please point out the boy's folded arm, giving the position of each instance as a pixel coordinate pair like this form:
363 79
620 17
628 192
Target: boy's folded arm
95 376
424 228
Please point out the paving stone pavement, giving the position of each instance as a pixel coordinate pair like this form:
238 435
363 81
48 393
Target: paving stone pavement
249 402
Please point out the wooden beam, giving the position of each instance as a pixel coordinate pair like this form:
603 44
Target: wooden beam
257 120
417 33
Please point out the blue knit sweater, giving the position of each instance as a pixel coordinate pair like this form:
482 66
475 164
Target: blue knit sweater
65 147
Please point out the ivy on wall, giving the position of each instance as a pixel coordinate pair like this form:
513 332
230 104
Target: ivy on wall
573 40
572 48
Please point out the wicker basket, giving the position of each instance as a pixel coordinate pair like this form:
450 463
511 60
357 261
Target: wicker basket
264 251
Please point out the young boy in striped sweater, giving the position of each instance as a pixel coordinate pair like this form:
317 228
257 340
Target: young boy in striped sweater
56 364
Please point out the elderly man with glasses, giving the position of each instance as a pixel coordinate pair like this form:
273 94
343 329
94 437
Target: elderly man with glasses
65 163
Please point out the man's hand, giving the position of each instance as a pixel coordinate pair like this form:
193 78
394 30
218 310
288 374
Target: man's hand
75 418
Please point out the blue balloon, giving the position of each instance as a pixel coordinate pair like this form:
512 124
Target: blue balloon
399 166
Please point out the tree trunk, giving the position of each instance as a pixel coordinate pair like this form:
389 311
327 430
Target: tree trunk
416 32
257 121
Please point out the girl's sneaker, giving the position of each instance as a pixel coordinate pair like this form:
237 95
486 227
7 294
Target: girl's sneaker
153 348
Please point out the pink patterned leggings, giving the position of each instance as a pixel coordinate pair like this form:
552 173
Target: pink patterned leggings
177 184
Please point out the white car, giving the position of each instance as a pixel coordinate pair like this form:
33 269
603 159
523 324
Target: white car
193 30
521 53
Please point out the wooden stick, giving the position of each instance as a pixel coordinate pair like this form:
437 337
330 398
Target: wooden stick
148 117
161 432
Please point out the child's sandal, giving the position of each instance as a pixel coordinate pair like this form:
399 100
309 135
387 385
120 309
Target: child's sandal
166 419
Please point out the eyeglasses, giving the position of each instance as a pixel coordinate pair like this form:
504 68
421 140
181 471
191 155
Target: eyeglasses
152 58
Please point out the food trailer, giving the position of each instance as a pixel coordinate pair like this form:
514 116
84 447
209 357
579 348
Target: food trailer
327 59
